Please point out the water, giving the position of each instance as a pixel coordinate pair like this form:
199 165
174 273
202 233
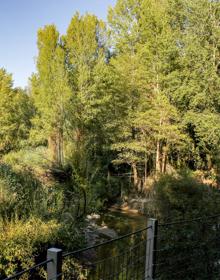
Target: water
117 257
122 222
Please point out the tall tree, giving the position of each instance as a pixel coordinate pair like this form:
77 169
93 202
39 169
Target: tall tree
86 53
125 37
196 91
51 92
152 61
16 111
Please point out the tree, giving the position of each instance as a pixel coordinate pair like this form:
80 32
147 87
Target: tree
86 58
124 26
196 90
16 111
204 129
146 68
51 92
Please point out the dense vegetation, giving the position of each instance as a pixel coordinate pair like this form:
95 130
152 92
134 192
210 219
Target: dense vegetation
112 107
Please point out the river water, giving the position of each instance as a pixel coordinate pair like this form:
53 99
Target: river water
116 223
122 222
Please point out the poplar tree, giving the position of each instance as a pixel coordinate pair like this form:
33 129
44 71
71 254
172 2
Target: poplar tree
124 33
196 93
86 60
152 60
51 92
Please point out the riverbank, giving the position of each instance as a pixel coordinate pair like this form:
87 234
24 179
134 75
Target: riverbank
132 204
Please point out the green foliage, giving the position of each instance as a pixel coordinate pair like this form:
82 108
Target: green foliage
73 270
16 110
204 128
50 89
34 216
21 193
21 241
33 159
110 107
183 197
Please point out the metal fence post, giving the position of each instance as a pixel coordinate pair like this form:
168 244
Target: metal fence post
150 249
54 268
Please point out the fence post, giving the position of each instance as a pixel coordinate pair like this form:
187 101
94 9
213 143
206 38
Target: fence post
54 268
151 242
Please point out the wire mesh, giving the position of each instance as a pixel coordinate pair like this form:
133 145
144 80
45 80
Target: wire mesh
189 250
33 273
122 261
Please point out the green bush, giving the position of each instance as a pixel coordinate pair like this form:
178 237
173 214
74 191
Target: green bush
183 197
21 193
21 241
27 159
72 270
190 241
35 213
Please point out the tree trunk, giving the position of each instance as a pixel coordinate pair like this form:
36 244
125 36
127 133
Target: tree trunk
145 172
60 155
158 154
158 158
164 159
135 174
109 177
55 146
209 161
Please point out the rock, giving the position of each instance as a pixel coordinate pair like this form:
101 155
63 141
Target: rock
93 216
107 232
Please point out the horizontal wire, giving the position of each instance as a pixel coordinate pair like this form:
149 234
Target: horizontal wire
105 243
119 255
188 221
167 263
185 246
164 225
28 269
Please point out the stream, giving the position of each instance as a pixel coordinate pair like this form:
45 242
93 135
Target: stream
122 222
113 224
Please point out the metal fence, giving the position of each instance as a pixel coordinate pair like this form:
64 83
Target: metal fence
188 250
131 259
178 250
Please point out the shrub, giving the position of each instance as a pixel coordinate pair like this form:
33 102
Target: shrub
27 159
21 241
183 197
21 193
184 245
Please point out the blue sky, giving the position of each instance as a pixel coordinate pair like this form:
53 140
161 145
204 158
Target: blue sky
20 20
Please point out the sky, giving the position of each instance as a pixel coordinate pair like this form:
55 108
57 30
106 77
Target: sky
20 20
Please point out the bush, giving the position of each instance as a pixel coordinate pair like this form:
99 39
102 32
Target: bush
27 159
21 194
72 270
21 241
183 197
35 213
185 245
